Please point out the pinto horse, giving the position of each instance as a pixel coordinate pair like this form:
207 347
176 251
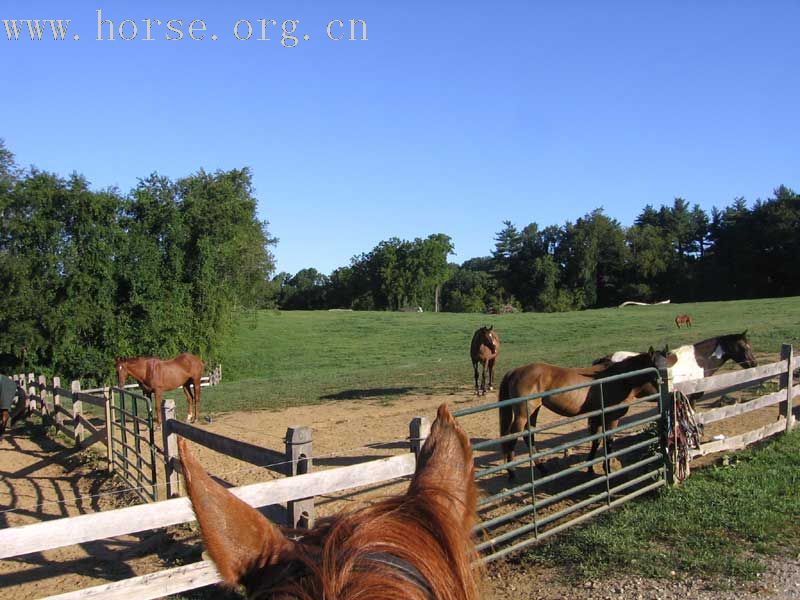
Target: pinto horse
541 377
416 546
683 320
703 359
484 349
157 376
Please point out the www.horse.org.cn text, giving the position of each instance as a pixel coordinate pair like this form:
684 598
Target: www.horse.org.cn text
288 33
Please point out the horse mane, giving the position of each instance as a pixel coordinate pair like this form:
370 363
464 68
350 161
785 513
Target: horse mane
706 346
631 363
339 557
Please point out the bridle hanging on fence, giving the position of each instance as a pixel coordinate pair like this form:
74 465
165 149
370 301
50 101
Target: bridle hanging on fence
685 435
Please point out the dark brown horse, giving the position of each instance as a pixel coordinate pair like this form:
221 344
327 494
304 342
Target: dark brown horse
484 349
540 377
416 546
157 376
683 320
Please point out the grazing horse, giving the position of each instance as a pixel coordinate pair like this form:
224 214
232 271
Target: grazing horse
540 377
703 359
157 376
484 349
683 320
416 546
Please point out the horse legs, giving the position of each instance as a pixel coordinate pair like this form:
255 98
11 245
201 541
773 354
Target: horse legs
483 377
516 426
475 369
491 374
3 421
158 406
197 386
189 402
595 425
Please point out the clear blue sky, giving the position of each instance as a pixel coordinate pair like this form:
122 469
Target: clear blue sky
452 117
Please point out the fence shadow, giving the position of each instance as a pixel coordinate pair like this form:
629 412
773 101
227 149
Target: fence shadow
359 394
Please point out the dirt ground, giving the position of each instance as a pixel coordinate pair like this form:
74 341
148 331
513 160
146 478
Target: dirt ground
42 478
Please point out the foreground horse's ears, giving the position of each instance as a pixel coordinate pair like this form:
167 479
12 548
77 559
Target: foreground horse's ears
745 333
238 538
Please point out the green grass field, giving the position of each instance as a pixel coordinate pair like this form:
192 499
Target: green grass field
275 359
717 523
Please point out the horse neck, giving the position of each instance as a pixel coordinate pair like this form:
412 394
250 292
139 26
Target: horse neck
707 356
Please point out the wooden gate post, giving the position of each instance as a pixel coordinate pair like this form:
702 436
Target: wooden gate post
31 389
170 441
418 431
57 403
300 513
109 428
43 400
787 381
668 423
77 412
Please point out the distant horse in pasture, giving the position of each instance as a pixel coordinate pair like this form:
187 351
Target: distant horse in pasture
415 546
484 349
541 377
703 359
683 320
157 376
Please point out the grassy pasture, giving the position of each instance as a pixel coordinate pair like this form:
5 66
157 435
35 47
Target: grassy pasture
274 359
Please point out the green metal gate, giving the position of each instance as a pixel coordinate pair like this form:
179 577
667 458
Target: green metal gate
516 517
133 442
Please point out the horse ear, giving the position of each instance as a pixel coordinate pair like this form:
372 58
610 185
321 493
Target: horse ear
652 351
744 335
491 327
445 474
238 538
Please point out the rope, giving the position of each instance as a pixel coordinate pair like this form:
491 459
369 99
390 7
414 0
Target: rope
685 436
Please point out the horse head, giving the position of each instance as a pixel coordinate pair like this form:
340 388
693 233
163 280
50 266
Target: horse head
739 349
489 337
417 545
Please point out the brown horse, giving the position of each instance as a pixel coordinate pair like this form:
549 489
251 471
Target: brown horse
157 376
416 546
484 350
540 377
683 320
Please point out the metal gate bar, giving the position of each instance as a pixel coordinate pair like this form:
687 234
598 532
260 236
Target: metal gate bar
616 488
136 460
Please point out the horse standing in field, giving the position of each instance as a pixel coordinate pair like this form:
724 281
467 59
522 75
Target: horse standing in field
683 320
541 377
703 359
484 349
416 546
157 376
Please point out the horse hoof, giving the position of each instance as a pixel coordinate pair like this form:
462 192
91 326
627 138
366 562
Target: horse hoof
491 388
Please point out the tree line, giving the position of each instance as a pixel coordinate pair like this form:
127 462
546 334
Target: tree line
675 251
90 275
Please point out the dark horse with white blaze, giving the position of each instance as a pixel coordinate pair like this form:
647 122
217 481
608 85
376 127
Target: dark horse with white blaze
415 546
157 376
541 377
484 349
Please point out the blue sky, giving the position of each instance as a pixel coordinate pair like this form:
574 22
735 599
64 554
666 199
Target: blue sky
451 118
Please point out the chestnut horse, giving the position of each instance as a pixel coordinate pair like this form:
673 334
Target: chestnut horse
157 376
484 350
540 377
416 546
683 320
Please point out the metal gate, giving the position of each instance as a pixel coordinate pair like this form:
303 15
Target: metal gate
512 518
133 442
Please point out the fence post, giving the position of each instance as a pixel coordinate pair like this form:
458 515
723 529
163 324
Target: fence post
31 389
418 431
667 405
43 400
170 441
787 381
107 395
57 403
300 513
77 412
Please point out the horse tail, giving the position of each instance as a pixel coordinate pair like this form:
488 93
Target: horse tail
506 412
